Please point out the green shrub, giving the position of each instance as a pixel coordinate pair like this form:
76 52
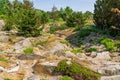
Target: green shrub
75 19
110 45
66 78
80 42
73 69
117 44
106 15
65 42
23 17
83 33
28 50
91 49
78 50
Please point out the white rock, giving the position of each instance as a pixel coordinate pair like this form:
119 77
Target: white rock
103 56
20 46
13 69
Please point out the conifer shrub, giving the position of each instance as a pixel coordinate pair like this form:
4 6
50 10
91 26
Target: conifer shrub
73 69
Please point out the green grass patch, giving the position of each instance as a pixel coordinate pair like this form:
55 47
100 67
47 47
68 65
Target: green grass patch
3 59
73 69
109 44
64 42
77 50
28 50
91 50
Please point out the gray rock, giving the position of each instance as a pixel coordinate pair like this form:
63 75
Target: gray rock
45 67
20 46
57 49
110 70
93 54
103 55
4 38
115 77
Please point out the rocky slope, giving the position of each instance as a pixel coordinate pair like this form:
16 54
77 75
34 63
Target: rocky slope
48 51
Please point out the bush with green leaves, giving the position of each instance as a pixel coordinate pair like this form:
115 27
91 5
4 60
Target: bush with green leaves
73 69
106 15
66 78
28 50
77 50
23 17
110 45
83 33
76 19
91 50
117 44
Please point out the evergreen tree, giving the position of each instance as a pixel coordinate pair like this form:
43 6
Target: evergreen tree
104 16
29 18
3 3
76 19
23 17
54 13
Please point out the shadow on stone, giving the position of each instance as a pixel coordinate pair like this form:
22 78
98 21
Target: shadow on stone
29 57
73 40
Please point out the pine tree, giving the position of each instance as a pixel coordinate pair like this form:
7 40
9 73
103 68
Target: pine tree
23 17
104 15
29 18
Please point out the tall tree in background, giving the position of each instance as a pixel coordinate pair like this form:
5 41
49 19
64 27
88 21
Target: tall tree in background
88 15
54 13
44 18
76 19
29 18
105 14
66 13
23 17
3 3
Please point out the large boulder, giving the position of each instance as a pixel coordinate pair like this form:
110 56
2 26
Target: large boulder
57 48
20 46
4 38
45 67
110 69
103 55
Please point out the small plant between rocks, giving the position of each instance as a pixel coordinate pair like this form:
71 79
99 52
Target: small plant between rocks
91 50
28 50
3 59
74 70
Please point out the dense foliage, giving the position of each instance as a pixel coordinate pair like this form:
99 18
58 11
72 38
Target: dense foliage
76 71
76 19
107 15
23 17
